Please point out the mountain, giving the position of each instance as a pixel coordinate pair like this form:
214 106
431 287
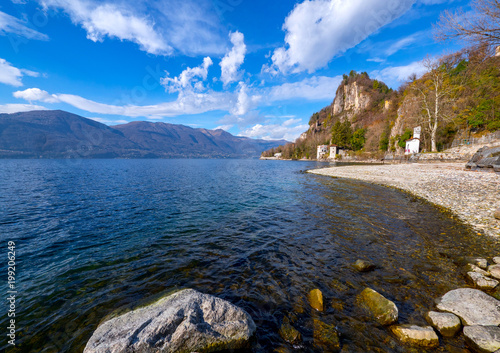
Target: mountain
59 134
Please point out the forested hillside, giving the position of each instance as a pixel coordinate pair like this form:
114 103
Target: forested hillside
458 97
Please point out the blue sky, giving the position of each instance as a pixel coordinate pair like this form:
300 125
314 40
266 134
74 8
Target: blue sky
254 68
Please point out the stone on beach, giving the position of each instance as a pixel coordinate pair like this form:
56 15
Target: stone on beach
473 306
483 338
497 214
478 261
474 268
494 271
481 281
416 335
186 321
316 299
447 324
384 311
363 266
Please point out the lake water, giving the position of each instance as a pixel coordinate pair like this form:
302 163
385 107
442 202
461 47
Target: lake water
95 236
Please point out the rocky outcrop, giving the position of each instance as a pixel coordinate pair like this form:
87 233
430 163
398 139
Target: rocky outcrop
473 306
486 158
447 324
351 98
381 309
416 335
483 338
186 321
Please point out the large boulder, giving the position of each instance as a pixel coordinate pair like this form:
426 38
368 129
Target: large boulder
483 338
447 324
186 321
381 309
416 335
473 306
485 158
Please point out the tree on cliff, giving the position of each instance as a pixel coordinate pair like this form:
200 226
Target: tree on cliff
436 93
482 25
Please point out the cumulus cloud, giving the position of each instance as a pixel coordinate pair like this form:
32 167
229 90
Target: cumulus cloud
36 94
245 102
15 108
288 130
12 25
102 20
395 75
318 30
11 75
312 88
189 79
232 61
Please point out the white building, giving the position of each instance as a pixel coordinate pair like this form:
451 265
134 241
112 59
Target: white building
278 155
413 144
322 151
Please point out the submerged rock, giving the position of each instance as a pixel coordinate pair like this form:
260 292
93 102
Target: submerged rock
483 338
494 271
416 335
382 309
478 261
447 324
316 299
481 281
473 306
289 333
363 266
186 321
325 336
474 268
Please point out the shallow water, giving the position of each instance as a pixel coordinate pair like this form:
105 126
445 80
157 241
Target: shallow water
93 236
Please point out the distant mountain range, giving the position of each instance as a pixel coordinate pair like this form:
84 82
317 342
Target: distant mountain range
59 134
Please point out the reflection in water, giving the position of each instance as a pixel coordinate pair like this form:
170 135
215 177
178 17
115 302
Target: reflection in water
103 235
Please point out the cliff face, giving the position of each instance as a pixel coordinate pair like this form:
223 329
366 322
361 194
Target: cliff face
351 98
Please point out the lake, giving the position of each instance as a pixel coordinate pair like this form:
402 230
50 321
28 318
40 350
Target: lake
96 236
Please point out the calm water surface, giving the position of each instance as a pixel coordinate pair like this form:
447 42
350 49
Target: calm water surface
94 236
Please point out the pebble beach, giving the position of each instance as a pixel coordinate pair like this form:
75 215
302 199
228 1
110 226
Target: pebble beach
473 196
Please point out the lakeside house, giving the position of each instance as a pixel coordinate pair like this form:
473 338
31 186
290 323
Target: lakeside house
278 155
413 144
329 151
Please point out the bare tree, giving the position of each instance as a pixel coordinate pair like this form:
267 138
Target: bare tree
482 25
436 96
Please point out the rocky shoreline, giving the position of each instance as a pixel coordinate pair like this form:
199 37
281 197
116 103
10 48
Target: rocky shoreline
473 196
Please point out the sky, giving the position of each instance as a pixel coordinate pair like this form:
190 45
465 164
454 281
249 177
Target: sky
253 68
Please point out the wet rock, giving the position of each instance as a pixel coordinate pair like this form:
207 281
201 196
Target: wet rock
416 335
382 309
497 215
325 336
363 266
186 321
478 261
483 338
472 306
474 268
289 333
481 281
447 324
494 271
496 260
282 349
316 299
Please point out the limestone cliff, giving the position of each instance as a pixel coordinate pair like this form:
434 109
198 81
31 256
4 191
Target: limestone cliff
351 98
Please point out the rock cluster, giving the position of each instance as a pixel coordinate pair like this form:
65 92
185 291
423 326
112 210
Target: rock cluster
486 158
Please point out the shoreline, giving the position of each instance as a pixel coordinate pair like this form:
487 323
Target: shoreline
473 196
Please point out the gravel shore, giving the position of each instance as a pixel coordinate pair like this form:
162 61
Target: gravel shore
472 195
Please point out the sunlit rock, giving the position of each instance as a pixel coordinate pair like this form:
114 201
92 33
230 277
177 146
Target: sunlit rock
447 324
363 266
316 299
483 338
414 335
481 281
382 309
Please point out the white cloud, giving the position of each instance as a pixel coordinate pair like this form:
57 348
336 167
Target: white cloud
312 88
244 102
35 94
395 75
232 61
15 108
11 75
189 79
10 24
318 30
288 130
108 122
106 19
224 127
